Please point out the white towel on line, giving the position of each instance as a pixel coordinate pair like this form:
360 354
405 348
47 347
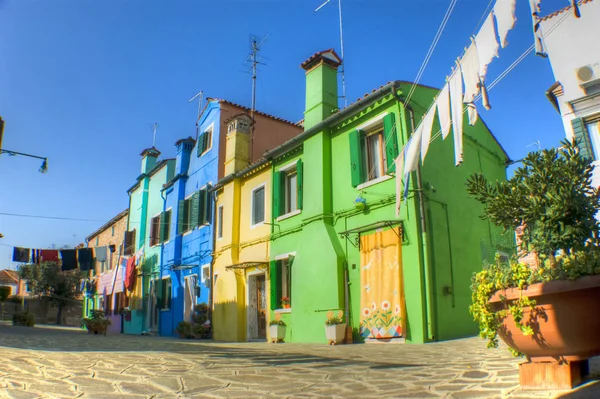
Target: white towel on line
443 107
538 37
456 102
469 66
504 11
487 45
426 132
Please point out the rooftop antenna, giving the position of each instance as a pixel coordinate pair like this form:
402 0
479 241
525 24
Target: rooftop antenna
154 129
535 143
341 48
200 100
255 60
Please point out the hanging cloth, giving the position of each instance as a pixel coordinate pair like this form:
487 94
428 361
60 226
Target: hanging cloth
48 255
426 136
575 8
538 37
443 107
34 258
487 48
69 259
469 66
456 102
84 256
504 11
412 152
130 273
399 174
21 255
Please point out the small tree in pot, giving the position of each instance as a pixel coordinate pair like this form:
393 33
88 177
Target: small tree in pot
536 310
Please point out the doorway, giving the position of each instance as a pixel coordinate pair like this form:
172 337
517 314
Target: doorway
190 289
257 307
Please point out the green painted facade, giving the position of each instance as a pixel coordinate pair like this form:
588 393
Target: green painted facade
441 248
145 202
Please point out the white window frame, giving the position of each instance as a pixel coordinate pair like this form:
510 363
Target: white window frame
376 129
220 214
202 268
286 169
190 215
163 309
589 119
284 257
210 127
264 187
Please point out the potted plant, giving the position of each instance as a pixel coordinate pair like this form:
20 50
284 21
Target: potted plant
285 302
97 324
184 329
542 310
201 327
335 327
277 329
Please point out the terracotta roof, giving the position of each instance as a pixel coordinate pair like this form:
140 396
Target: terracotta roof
9 277
328 55
108 224
221 100
555 13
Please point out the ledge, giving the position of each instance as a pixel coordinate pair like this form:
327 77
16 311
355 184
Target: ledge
288 310
374 181
289 215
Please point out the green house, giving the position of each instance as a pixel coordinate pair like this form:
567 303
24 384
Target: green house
337 246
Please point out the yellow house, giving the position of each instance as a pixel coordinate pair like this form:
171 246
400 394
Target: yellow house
241 257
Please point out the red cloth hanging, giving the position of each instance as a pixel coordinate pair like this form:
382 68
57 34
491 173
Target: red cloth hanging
130 273
48 255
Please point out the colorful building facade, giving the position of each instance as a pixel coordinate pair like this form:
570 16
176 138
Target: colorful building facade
200 163
107 275
145 204
334 241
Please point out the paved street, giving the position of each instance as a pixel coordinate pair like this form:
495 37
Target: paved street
67 363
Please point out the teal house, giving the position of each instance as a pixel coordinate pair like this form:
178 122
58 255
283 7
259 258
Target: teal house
142 241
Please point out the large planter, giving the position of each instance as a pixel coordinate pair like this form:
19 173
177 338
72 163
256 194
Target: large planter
336 333
277 333
565 322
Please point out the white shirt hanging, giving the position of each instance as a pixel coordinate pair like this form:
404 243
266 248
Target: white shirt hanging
487 45
456 102
538 37
504 11
469 66
412 151
426 132
443 106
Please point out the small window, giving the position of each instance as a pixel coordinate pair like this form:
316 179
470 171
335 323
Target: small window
220 222
374 154
112 231
166 293
205 141
155 231
205 272
97 240
258 205
291 191
283 283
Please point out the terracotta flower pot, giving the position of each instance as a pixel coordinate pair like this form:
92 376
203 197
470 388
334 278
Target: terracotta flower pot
565 323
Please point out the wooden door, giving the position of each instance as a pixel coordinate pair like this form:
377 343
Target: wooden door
261 307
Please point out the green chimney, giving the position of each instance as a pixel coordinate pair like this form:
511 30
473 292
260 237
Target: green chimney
321 86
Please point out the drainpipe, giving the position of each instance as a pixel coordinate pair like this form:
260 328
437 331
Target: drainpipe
429 308
211 268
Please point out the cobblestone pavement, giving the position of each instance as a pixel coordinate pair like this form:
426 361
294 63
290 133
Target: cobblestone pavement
66 363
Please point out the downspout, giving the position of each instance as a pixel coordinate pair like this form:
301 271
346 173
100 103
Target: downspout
211 267
429 308
162 260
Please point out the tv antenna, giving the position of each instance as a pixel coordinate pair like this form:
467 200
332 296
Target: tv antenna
341 48
255 46
535 143
200 96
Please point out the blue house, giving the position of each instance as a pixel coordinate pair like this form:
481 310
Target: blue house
188 238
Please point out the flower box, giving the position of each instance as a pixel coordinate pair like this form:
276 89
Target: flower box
335 333
277 333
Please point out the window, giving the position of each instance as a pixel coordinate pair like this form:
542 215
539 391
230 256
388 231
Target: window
281 282
287 193
108 305
155 231
195 210
205 141
258 205
373 150
592 126
112 231
119 303
165 226
184 215
220 222
205 272
97 240
165 293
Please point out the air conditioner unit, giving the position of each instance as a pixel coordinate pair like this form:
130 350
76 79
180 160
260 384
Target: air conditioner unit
588 75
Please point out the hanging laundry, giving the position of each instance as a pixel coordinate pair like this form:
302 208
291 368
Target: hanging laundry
48 255
575 8
442 103
469 66
411 160
487 48
85 256
456 102
504 11
21 255
139 255
426 135
69 259
399 162
130 273
538 37
33 256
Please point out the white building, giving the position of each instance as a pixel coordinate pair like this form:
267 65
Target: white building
573 48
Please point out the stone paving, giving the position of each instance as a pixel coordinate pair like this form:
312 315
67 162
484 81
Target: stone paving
47 362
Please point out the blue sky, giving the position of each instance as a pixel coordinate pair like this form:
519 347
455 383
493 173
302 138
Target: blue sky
81 82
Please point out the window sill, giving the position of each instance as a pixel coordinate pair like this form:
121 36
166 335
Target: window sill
374 181
259 224
289 215
288 310
187 233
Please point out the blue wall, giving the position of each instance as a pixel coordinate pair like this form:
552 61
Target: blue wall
194 247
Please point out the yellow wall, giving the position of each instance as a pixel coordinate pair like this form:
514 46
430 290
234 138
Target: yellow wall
240 243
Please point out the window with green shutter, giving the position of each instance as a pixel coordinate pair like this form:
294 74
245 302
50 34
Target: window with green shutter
204 206
356 157
200 144
299 182
276 194
281 282
195 210
582 137
183 219
391 141
165 224
205 141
